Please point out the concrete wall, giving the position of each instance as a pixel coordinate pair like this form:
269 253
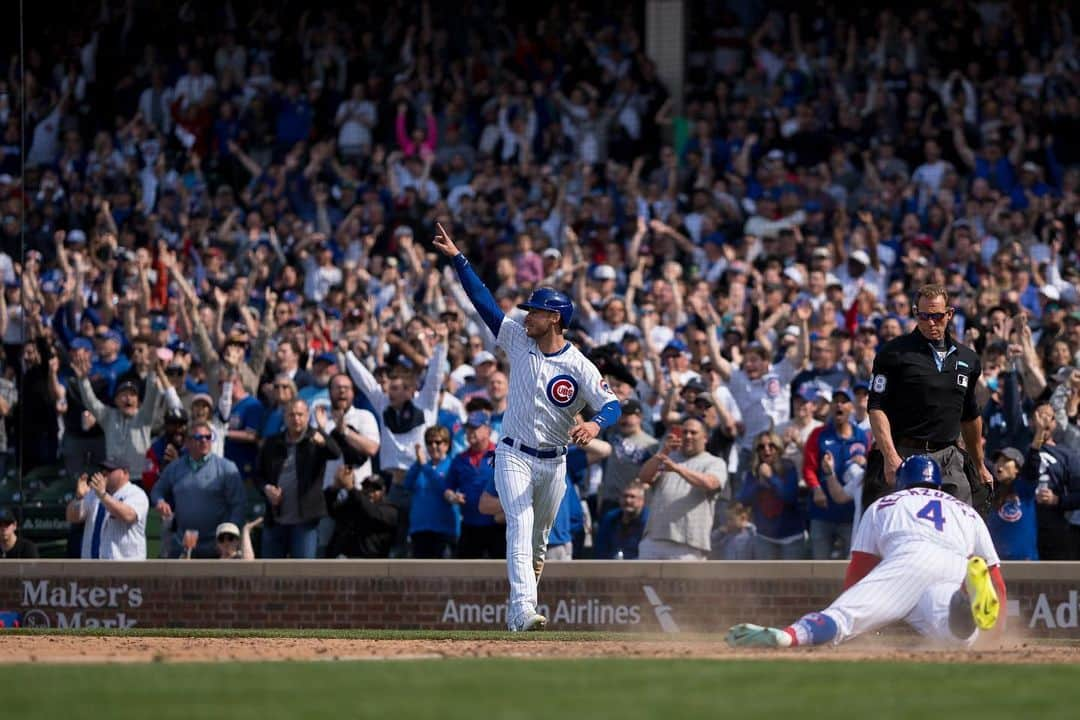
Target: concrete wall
630 596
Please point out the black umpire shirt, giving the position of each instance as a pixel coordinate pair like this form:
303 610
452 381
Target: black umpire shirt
924 400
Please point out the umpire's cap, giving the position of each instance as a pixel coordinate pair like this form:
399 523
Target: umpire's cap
918 471
552 300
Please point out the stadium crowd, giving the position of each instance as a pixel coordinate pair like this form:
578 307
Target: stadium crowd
218 277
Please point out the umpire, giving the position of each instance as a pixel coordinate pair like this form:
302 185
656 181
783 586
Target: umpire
922 398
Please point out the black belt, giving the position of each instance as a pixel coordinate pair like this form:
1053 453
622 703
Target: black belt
543 454
925 445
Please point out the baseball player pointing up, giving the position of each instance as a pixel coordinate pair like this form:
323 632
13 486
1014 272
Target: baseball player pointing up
551 382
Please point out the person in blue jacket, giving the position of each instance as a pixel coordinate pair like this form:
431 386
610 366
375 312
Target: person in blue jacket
771 490
481 536
621 528
1012 523
1055 471
433 521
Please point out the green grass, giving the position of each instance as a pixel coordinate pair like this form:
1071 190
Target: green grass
493 689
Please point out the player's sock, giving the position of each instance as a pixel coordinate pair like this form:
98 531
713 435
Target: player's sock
961 621
812 629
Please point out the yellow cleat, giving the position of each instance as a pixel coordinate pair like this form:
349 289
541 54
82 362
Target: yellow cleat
980 589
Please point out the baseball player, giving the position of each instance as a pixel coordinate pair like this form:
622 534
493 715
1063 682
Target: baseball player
920 555
551 382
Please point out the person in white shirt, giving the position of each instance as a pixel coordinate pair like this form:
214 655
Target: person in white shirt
192 87
355 430
763 390
355 118
114 511
928 176
155 103
405 413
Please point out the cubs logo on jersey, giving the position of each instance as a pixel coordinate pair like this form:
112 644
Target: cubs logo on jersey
562 390
1010 511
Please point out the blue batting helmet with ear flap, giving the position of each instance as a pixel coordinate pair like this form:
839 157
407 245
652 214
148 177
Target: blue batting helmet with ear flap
918 471
552 300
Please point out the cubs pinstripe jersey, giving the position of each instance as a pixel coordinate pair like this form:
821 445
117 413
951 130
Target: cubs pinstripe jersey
896 522
547 391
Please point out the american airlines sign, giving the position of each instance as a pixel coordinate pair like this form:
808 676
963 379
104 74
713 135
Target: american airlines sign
568 612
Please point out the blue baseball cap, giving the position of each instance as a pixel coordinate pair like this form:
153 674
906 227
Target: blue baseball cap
326 357
813 390
676 345
50 287
81 343
289 296
179 346
159 322
92 315
477 418
113 335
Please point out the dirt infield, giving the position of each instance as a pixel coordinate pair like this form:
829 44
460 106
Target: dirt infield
69 649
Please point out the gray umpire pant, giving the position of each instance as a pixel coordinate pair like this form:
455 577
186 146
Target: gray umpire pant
951 462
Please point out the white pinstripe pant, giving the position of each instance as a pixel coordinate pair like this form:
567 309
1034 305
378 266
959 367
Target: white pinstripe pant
914 586
530 491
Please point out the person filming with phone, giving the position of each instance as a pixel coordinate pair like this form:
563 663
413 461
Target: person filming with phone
683 479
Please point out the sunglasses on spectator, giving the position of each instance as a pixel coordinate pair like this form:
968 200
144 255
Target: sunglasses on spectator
766 446
936 316
437 442
227 537
282 386
202 437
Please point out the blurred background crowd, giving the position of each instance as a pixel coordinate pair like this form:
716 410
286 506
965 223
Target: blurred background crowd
220 292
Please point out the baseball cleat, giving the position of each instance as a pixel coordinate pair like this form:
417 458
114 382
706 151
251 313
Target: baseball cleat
529 623
980 589
750 635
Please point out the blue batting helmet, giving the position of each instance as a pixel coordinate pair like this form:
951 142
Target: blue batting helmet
918 471
552 300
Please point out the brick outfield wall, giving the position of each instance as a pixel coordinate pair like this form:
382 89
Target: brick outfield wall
626 596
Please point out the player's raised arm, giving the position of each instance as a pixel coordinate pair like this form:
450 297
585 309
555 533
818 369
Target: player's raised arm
479 295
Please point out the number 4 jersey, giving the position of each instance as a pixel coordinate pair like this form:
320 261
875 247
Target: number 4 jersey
896 522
